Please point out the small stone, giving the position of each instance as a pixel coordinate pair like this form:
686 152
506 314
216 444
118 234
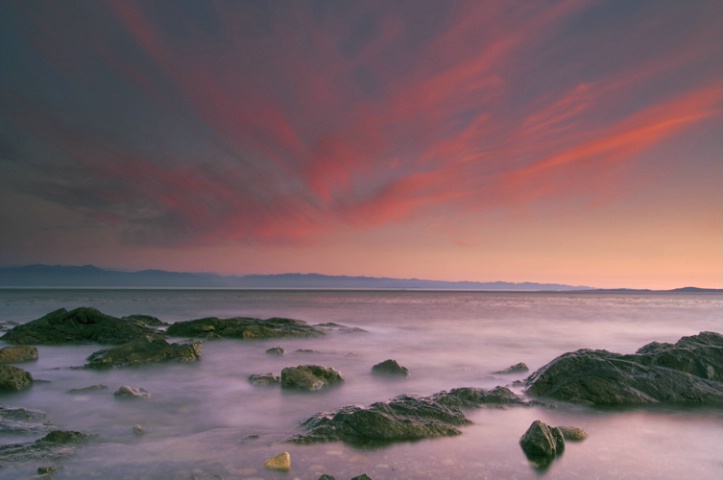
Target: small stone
46 470
573 433
126 391
138 429
275 351
282 461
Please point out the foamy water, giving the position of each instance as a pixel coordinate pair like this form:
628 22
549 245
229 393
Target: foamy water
206 420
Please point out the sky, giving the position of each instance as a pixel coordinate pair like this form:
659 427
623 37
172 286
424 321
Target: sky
574 142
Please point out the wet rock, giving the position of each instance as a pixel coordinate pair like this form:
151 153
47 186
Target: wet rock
468 397
264 379
363 476
310 377
126 391
276 351
244 328
83 324
516 368
689 372
337 328
403 418
18 353
90 389
575 434
64 436
13 379
390 368
46 470
138 430
282 461
17 420
144 351
541 440
327 477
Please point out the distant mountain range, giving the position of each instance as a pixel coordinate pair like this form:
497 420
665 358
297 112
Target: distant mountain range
91 276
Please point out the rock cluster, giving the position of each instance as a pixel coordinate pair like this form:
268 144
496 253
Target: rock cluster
688 372
244 328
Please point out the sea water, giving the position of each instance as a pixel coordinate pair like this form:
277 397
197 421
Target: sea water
205 420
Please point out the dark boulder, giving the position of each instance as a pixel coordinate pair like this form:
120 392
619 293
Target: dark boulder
81 325
18 353
310 377
542 442
14 378
468 397
144 351
390 368
279 351
689 372
401 419
244 328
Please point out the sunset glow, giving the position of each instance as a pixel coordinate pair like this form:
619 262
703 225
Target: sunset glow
554 141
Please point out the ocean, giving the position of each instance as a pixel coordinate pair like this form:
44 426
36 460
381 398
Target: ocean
206 421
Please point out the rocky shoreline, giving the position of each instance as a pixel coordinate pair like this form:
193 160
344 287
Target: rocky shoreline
687 373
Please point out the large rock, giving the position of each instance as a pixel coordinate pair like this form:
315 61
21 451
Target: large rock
18 353
81 325
689 372
542 440
403 418
144 351
310 377
244 328
14 378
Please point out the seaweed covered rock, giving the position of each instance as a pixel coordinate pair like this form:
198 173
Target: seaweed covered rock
310 377
390 368
18 353
81 325
144 351
688 372
244 328
56 444
13 379
403 418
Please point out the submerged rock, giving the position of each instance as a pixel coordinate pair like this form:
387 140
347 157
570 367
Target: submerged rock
56 444
390 368
403 418
83 324
276 351
468 397
90 389
542 441
310 377
126 391
689 372
264 379
244 328
18 353
516 368
14 379
18 420
144 351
